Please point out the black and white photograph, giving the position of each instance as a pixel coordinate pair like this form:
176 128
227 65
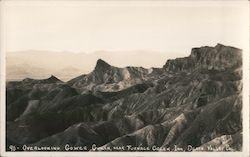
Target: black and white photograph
124 77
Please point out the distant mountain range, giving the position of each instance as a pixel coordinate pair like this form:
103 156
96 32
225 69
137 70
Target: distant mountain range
67 65
192 101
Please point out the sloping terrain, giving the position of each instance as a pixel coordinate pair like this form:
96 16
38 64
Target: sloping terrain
193 101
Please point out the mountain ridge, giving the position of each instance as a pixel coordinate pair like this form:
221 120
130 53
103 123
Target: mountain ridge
223 57
195 100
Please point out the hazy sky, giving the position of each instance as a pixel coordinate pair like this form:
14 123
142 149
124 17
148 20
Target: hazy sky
118 26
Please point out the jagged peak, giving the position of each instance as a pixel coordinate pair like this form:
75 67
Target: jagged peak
52 77
101 62
219 45
217 57
209 49
102 65
27 79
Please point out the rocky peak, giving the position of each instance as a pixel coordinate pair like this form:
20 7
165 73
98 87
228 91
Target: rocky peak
219 46
52 78
27 80
220 57
101 65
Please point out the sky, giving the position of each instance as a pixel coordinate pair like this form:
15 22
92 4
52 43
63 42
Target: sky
78 26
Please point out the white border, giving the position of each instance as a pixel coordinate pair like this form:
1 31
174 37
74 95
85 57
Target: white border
244 153
2 80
